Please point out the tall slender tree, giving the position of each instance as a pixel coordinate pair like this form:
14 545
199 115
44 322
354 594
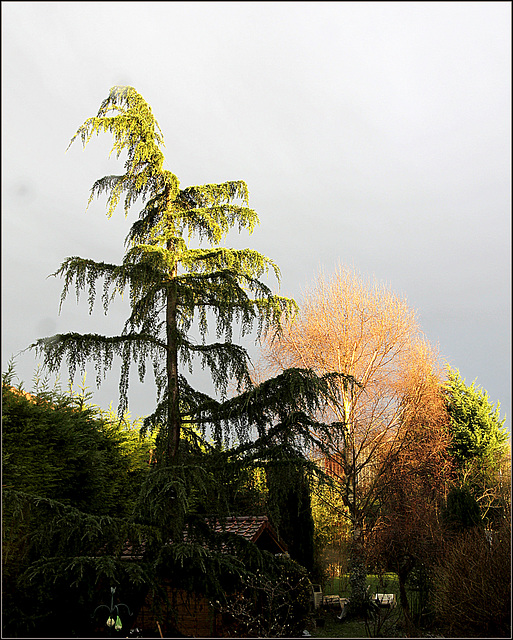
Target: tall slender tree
371 337
173 281
170 281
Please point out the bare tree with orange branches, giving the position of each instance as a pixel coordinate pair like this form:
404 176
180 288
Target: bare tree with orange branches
363 330
407 533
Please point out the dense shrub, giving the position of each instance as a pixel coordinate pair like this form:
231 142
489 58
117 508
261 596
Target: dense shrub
70 474
472 595
274 603
54 446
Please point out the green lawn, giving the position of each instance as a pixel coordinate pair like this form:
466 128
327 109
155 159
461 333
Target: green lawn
388 583
333 628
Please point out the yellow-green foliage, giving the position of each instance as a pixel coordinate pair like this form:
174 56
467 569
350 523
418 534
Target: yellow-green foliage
170 282
330 514
135 130
332 525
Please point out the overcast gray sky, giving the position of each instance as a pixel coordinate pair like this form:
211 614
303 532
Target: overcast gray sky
373 134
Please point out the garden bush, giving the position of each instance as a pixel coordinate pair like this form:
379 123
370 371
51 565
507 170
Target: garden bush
472 590
272 604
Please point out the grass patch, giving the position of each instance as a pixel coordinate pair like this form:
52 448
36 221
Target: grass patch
389 623
387 583
334 628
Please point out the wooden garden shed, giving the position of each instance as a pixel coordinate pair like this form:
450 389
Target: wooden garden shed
191 615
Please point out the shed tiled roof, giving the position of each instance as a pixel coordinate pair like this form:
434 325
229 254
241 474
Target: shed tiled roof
249 527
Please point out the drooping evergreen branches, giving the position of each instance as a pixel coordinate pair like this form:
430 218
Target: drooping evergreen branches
282 405
79 349
134 130
171 284
208 212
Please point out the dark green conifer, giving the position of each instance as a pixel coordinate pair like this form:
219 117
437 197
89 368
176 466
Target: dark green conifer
479 445
170 282
476 427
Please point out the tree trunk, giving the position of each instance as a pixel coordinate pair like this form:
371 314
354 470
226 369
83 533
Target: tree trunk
357 565
173 406
173 410
357 579
402 575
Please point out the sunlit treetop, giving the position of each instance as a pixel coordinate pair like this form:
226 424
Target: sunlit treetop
171 283
128 117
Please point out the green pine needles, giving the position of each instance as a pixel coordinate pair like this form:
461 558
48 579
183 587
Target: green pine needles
170 283
477 430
